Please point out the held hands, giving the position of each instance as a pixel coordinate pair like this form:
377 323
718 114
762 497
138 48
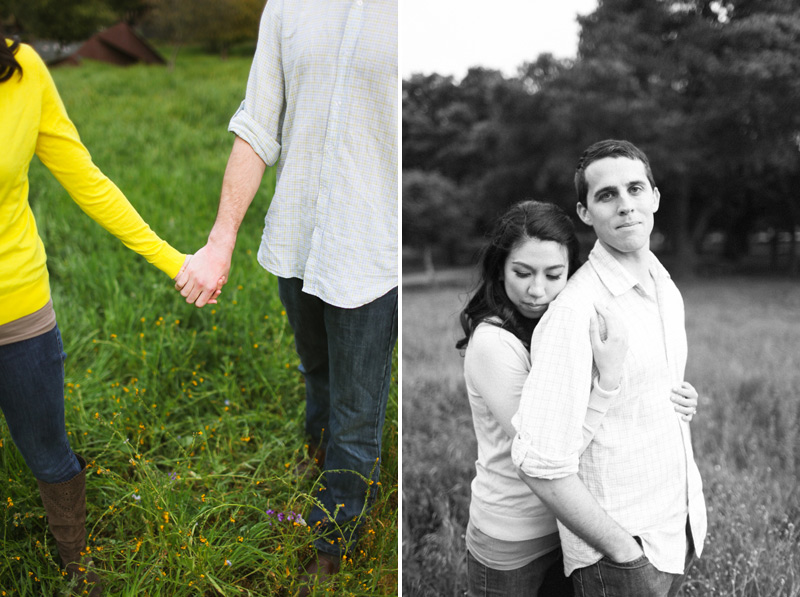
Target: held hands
203 275
608 349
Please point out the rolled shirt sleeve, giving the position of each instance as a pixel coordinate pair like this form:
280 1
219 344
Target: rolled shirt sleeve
259 119
555 397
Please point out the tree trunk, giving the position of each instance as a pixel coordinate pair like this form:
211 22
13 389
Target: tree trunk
176 47
686 256
774 247
793 266
700 228
427 261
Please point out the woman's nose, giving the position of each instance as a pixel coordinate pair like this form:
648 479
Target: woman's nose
536 289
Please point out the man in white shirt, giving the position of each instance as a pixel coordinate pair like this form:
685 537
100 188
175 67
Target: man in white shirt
630 508
322 101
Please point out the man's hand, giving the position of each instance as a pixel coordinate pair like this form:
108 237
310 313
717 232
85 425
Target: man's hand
577 509
203 275
200 280
629 551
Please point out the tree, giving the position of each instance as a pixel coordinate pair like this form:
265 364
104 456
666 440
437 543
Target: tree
217 24
708 90
131 11
432 215
64 22
67 22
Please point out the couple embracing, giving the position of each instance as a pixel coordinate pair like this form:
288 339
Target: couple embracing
586 482
321 102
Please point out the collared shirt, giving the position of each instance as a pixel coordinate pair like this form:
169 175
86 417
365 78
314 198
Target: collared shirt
496 365
640 466
322 96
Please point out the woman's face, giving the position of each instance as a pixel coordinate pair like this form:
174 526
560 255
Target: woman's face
535 273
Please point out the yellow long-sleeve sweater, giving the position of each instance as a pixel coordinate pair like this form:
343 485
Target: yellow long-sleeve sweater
33 119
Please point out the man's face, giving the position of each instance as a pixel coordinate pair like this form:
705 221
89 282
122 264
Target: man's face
620 204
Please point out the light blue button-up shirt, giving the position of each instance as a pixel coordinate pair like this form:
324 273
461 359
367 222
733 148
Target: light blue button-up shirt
322 102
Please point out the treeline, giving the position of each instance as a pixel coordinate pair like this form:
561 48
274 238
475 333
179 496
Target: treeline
215 24
709 89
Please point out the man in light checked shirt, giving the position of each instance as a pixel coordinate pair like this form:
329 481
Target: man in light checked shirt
631 510
321 101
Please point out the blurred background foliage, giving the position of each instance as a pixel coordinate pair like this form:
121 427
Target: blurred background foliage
214 24
710 90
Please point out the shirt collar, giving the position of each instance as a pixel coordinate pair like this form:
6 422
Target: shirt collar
615 277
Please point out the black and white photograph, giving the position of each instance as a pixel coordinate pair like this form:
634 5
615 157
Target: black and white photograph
600 298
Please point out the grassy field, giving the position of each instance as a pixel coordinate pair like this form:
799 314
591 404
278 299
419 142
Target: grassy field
191 419
744 335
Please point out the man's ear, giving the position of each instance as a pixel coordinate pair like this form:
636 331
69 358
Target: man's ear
656 199
583 214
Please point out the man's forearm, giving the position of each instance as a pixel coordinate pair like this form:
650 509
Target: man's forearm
203 275
242 178
577 509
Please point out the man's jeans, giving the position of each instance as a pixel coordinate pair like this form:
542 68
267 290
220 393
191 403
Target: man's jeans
543 577
639 577
32 399
346 358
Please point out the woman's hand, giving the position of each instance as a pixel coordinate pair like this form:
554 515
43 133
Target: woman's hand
181 279
608 349
685 399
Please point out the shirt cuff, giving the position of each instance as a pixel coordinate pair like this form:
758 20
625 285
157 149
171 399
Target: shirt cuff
244 126
533 464
604 393
169 260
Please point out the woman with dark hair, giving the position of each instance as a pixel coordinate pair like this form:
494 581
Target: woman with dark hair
31 353
512 540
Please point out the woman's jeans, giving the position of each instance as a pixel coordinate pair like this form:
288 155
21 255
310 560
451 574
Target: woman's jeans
543 577
346 358
32 400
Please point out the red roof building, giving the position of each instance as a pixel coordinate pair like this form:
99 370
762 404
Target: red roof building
120 45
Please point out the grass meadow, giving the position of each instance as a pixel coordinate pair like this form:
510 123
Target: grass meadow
191 419
744 335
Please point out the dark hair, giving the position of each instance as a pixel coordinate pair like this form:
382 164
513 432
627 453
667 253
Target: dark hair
8 62
523 221
610 148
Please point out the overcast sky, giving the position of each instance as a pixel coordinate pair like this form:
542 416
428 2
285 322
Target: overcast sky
449 36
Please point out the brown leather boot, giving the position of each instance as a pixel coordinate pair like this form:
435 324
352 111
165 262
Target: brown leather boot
318 570
65 505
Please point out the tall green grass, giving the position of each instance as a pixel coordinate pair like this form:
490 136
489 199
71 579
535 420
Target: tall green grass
191 419
743 336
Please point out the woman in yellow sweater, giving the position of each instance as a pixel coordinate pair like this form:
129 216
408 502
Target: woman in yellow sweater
31 355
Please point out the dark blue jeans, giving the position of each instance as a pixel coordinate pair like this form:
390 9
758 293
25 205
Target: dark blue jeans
32 400
543 577
639 577
346 359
